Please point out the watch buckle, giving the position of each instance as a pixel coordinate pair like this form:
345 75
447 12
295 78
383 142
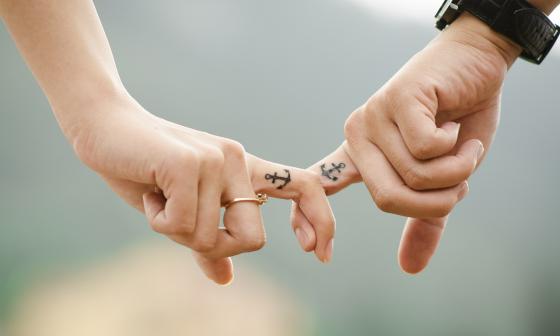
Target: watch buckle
447 13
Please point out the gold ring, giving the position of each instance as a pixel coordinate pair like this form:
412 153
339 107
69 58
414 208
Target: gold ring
260 199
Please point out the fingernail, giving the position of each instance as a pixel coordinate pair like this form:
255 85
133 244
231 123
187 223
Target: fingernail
302 238
464 190
452 127
480 152
457 128
329 251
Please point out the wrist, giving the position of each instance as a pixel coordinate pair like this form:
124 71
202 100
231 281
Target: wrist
471 31
475 32
79 114
71 98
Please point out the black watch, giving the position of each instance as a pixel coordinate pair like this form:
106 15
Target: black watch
518 20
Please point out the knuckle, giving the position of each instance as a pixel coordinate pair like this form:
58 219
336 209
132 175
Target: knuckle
158 228
233 149
183 229
416 178
464 168
444 209
462 173
203 245
186 228
214 158
187 158
328 229
391 93
311 181
354 123
255 243
384 200
423 148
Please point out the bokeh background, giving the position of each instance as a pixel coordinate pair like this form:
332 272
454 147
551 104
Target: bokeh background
281 77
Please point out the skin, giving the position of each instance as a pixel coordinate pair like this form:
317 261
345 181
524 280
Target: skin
177 176
405 142
417 140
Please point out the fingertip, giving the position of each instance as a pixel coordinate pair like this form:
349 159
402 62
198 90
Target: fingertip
303 239
324 245
218 270
303 230
326 256
474 148
433 143
478 150
154 203
451 128
411 266
226 281
419 242
463 190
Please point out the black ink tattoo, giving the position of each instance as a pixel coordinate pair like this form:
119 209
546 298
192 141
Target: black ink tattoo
285 179
329 173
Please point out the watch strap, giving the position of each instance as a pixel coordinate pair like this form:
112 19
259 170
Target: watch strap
520 21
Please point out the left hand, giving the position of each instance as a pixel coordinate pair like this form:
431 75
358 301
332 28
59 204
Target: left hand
180 178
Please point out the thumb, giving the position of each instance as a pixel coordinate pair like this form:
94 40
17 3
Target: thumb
419 242
423 137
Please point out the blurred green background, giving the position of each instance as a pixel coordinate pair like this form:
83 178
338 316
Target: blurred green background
281 77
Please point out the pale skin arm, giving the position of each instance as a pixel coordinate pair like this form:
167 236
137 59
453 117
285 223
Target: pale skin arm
418 139
179 177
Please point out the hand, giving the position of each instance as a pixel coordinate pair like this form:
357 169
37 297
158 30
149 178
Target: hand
180 178
434 118
420 137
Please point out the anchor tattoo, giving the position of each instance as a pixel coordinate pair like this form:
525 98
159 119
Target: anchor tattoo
285 179
329 173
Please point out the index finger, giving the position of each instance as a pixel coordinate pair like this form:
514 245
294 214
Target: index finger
391 194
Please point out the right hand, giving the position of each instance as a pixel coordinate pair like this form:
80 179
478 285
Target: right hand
420 137
180 178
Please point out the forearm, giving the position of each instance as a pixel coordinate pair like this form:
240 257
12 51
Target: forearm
64 44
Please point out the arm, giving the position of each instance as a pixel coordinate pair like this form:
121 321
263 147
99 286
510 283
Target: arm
179 177
64 45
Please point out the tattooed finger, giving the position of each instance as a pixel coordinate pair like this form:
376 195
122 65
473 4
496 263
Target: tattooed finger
305 188
337 171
